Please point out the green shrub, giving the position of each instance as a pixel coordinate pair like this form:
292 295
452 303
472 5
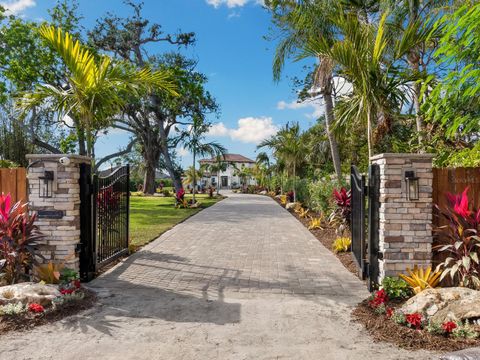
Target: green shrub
320 194
396 288
465 330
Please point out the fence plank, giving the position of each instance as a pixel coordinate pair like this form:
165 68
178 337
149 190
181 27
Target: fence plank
452 180
14 182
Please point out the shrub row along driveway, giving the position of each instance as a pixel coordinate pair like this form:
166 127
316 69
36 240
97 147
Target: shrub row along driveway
240 280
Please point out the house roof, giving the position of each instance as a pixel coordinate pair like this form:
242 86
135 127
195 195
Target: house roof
229 158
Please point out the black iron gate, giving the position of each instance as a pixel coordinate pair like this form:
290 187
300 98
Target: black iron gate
105 203
365 225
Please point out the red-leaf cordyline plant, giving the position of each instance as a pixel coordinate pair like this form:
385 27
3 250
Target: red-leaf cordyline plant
18 238
340 217
462 241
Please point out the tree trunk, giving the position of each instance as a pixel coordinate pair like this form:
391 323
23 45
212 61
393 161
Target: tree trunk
329 120
177 182
194 178
218 182
369 134
294 183
149 179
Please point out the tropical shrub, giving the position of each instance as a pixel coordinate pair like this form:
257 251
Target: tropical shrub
320 198
462 241
420 279
18 239
340 216
48 273
396 288
290 196
341 244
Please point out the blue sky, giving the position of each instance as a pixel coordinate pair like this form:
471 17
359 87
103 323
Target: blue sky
230 50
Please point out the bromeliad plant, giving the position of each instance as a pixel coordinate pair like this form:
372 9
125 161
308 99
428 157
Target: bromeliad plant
341 244
420 279
462 241
18 239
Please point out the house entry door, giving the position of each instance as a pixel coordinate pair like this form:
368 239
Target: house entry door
224 181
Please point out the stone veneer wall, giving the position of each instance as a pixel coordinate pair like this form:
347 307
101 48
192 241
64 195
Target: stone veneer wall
63 233
405 229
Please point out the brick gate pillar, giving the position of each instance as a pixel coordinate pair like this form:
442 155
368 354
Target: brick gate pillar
405 229
58 208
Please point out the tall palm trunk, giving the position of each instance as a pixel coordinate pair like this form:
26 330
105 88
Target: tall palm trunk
294 182
194 177
218 182
329 120
369 134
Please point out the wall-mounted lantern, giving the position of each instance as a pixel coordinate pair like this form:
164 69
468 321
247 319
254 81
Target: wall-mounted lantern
46 185
412 185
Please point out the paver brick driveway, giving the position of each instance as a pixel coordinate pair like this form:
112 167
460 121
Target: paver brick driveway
240 280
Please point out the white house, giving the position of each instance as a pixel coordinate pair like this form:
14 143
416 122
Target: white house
229 178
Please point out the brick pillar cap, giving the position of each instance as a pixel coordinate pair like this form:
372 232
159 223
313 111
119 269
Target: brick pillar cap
402 155
56 157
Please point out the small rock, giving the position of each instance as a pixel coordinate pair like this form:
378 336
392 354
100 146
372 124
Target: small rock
28 293
445 304
263 192
290 206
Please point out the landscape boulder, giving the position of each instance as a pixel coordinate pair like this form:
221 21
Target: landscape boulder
28 293
445 304
290 205
263 192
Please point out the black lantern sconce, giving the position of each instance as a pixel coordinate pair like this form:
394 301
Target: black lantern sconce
46 185
412 185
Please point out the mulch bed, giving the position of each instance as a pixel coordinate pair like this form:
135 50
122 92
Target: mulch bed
28 320
382 329
326 237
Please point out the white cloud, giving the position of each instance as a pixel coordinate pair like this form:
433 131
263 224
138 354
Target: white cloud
250 130
17 6
254 130
229 3
316 105
218 129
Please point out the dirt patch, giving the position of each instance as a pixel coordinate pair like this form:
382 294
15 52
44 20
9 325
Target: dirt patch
327 236
382 329
29 320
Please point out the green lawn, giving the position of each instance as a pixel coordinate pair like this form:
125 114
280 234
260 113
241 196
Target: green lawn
151 216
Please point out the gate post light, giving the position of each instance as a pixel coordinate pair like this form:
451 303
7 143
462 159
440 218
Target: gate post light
412 185
45 189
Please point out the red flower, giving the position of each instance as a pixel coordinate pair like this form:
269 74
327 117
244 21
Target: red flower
414 320
36 308
389 312
449 326
67 291
379 298
76 283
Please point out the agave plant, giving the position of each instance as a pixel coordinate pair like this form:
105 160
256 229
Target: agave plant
462 241
18 239
420 279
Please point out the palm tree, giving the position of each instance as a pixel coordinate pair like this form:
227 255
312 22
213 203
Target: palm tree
95 88
217 167
288 146
300 21
191 174
193 141
366 54
243 173
262 167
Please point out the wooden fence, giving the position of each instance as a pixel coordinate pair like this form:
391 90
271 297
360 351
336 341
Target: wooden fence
14 181
452 180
